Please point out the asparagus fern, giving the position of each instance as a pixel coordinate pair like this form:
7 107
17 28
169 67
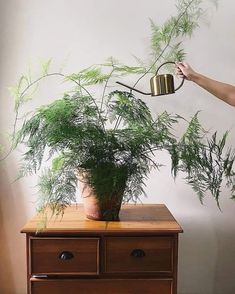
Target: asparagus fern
113 135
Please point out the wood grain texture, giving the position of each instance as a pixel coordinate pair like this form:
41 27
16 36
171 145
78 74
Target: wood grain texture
158 255
119 286
45 256
154 218
102 253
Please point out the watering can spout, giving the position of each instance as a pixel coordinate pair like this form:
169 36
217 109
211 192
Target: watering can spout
134 89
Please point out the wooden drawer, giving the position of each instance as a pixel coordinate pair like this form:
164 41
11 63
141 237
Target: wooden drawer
139 254
61 256
98 286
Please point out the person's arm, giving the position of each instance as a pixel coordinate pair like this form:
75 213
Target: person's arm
221 90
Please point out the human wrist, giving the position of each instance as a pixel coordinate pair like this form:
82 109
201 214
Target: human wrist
194 76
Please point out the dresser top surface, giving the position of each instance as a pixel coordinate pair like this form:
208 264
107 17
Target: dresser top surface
148 218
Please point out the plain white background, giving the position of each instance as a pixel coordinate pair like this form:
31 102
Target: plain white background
77 34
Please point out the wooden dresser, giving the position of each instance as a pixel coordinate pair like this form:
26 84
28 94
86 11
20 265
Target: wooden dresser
135 255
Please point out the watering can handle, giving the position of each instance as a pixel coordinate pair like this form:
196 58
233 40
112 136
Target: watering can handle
182 82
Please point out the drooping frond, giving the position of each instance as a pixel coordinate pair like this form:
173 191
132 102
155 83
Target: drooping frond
112 135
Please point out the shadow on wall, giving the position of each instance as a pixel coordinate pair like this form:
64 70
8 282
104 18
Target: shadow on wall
207 254
6 275
12 253
197 255
12 210
225 262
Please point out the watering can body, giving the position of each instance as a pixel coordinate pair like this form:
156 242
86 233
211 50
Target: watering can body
162 85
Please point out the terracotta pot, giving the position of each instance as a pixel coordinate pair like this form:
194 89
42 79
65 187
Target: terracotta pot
98 210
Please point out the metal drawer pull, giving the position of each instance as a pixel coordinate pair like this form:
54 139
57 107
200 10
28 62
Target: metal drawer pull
138 253
66 255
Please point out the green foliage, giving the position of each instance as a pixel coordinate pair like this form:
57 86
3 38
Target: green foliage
167 39
130 109
89 76
45 65
57 189
113 136
207 167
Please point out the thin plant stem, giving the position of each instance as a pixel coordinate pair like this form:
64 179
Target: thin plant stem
23 93
105 87
167 44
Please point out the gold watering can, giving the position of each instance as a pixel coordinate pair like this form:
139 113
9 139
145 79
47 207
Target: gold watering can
159 84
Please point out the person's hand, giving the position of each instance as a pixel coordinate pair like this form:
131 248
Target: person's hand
184 70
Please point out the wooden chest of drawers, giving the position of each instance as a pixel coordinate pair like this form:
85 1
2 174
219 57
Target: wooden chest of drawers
137 254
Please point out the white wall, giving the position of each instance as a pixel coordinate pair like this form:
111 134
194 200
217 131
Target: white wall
84 32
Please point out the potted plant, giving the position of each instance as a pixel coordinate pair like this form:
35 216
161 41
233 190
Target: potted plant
107 142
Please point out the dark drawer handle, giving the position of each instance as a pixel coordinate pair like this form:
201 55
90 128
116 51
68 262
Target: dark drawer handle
138 253
66 255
